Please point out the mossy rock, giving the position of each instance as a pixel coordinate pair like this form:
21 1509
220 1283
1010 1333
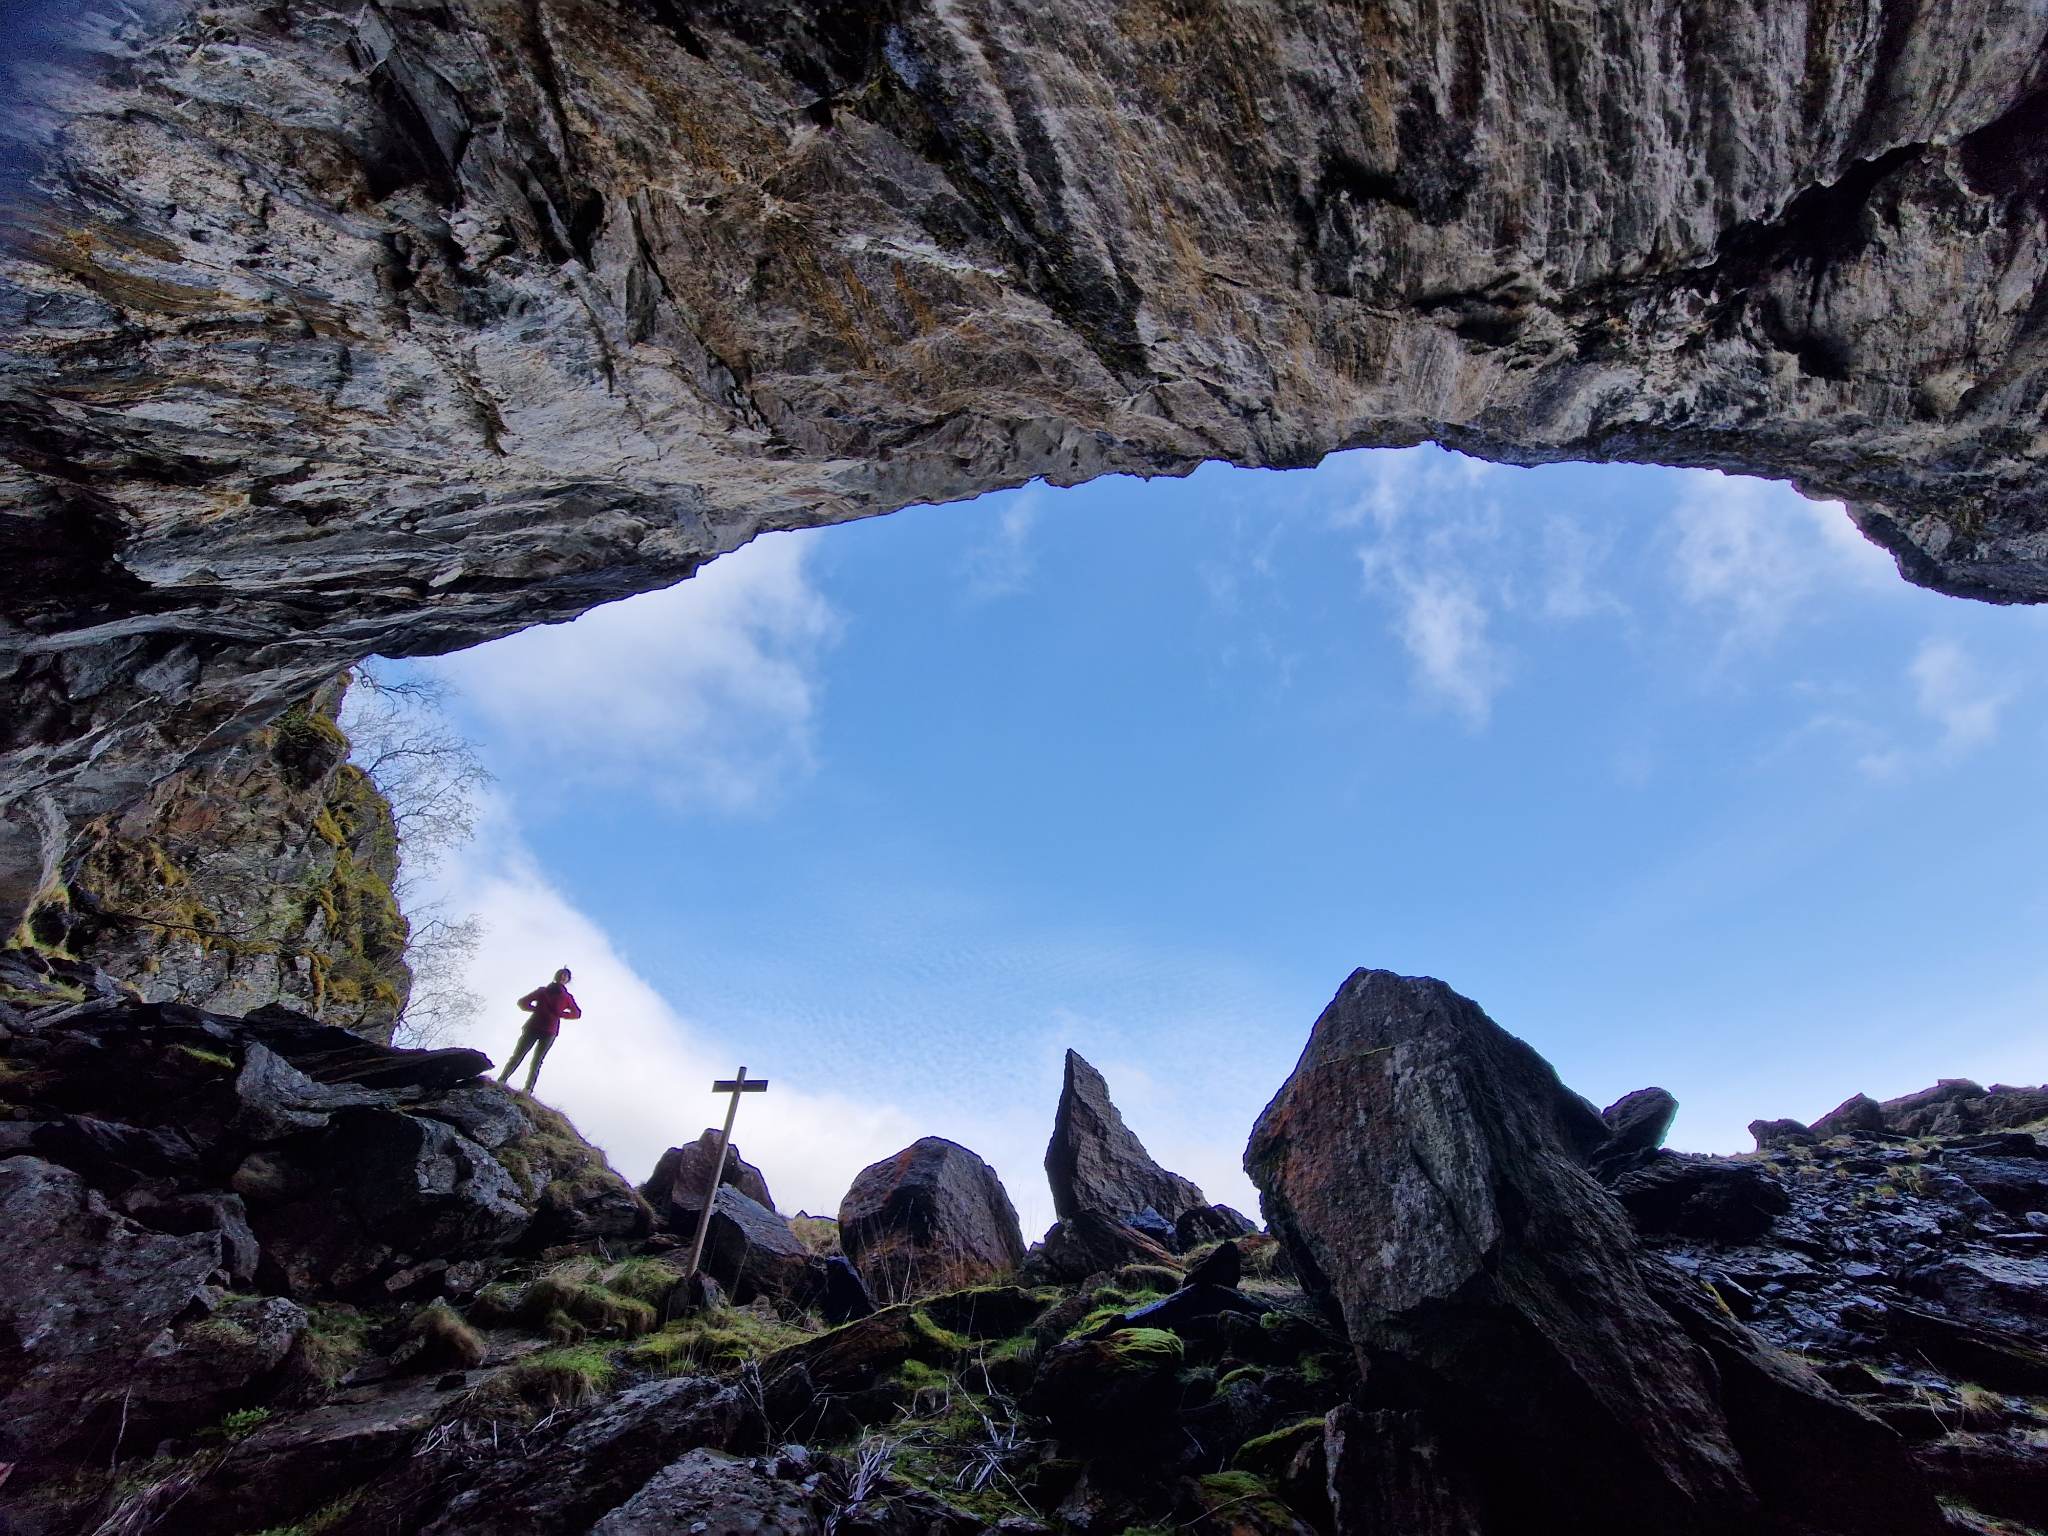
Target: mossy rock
1270 1454
989 1311
1236 1504
1155 1278
1119 1385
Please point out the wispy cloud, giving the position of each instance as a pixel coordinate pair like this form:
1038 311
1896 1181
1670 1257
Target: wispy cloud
705 693
1003 563
1443 625
1956 702
1754 551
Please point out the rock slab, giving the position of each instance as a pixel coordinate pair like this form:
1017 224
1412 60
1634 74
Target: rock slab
1094 1161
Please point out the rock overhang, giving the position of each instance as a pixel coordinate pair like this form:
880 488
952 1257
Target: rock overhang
335 330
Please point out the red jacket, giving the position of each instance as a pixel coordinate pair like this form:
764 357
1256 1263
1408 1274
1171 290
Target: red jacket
546 1008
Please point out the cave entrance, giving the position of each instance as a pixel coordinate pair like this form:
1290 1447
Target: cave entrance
1650 760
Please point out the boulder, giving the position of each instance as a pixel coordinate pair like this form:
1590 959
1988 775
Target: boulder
1428 1172
932 1218
709 1493
90 1296
112 1155
1095 1163
1112 1387
1201 1224
487 1114
1722 1199
1770 1134
1859 1115
676 1187
1224 1266
750 1250
604 1458
1637 1124
1079 1246
240 1253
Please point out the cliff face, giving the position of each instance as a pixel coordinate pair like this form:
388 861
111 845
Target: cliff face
263 878
341 327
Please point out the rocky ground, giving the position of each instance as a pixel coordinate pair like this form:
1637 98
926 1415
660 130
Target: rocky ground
275 1280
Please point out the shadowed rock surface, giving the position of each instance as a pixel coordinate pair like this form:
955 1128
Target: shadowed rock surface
1094 1162
337 329
931 1218
1430 1174
676 1187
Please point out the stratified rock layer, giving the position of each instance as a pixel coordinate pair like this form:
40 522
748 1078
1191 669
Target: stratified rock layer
337 328
1094 1161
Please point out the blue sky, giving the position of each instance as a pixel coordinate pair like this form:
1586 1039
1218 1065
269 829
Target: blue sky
1667 770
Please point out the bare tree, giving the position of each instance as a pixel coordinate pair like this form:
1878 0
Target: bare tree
431 774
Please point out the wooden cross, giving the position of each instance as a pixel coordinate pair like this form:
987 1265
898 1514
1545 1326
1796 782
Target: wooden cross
734 1086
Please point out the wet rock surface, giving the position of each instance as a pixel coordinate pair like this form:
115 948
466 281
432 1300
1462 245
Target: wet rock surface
676 1187
932 1217
524 309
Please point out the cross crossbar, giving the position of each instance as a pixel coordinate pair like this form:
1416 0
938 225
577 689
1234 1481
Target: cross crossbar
740 1085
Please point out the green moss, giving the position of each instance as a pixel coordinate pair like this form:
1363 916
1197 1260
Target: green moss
1242 1373
322 1520
644 1279
239 1425
1155 1279
1268 1453
565 1377
211 1058
1243 1492
336 1337
932 1335
720 1341
919 1377
1148 1349
564 1294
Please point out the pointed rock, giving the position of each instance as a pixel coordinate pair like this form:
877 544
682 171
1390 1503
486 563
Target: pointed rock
1428 1172
1095 1163
932 1218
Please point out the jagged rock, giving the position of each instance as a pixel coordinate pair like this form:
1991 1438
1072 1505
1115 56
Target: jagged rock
1092 1243
264 877
112 1154
932 1218
487 1114
842 1296
376 1187
604 1458
277 1100
90 1295
1771 1134
1428 1172
531 369
1637 1124
1707 1197
2016 1185
1387 1473
985 1311
1201 1224
750 1250
1224 1267
1958 1107
1095 1164
206 1211
676 1187
709 1493
1859 1115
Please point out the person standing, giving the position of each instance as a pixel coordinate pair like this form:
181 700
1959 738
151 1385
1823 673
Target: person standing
545 1007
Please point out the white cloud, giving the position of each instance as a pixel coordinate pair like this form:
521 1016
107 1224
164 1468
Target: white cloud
1755 550
1953 697
705 692
1444 627
1002 564
635 1073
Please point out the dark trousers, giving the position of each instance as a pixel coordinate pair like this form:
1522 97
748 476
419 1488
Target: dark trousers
530 1039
